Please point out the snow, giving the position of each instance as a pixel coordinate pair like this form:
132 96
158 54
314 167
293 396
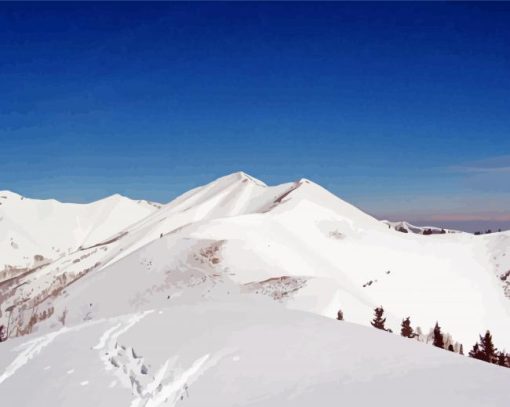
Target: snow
226 287
51 229
241 352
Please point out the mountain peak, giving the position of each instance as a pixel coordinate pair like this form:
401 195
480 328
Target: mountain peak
243 177
114 198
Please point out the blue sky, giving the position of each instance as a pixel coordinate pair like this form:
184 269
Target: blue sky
400 108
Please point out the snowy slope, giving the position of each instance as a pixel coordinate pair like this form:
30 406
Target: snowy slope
241 352
50 229
294 244
209 291
445 278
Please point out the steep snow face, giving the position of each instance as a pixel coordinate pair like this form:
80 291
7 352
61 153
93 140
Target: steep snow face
34 232
237 352
231 196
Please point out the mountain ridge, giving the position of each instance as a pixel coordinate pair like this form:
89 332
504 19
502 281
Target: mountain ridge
302 231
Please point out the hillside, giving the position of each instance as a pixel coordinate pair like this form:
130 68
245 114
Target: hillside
238 353
35 232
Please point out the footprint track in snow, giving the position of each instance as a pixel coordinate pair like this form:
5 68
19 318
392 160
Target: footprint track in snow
151 388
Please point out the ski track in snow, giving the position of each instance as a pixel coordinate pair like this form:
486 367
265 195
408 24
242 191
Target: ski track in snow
174 390
32 348
108 341
166 386
106 335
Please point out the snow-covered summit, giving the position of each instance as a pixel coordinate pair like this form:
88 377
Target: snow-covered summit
241 176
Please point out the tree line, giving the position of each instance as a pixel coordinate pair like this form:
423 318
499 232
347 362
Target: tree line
483 350
487 232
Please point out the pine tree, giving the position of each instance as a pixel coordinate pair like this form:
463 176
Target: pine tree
438 337
407 330
461 351
450 348
340 315
488 351
475 353
3 333
378 321
502 359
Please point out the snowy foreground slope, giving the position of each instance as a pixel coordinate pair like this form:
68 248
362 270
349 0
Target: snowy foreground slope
230 267
238 353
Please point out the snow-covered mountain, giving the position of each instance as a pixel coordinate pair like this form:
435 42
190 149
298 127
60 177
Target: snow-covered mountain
239 260
34 232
